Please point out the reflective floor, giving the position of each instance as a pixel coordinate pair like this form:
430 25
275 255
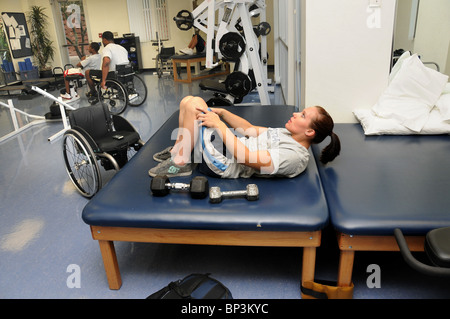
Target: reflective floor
44 242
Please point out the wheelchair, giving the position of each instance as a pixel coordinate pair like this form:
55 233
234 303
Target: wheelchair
123 88
96 137
163 61
133 83
163 64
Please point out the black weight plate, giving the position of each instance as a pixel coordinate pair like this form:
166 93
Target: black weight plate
184 20
232 46
238 84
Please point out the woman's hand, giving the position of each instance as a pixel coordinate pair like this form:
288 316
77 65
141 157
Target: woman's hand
218 111
209 118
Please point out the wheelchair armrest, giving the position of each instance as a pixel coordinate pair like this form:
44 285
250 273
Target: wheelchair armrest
121 124
88 137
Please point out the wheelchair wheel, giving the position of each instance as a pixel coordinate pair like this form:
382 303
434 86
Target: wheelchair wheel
137 92
115 96
81 163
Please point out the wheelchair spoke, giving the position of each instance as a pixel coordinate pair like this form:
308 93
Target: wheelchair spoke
81 164
115 97
137 91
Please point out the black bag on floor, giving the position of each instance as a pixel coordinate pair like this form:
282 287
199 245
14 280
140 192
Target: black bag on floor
195 286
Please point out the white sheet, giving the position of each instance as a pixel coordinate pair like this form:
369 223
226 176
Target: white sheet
443 104
417 101
374 125
412 93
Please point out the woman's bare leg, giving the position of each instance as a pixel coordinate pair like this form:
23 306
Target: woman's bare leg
188 129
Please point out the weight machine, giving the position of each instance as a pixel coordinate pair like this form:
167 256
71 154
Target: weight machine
234 39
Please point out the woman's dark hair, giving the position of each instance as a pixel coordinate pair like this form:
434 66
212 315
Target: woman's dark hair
323 126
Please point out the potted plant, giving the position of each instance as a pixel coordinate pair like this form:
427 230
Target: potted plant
42 46
6 74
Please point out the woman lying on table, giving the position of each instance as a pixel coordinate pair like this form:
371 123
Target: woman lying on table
261 151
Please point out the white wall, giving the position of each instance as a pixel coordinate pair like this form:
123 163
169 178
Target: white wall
346 54
402 26
432 38
287 37
433 33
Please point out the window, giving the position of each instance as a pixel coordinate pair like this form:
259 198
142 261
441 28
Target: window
75 29
148 17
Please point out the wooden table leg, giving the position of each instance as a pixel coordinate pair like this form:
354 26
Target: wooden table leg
309 264
189 74
346 268
110 262
175 71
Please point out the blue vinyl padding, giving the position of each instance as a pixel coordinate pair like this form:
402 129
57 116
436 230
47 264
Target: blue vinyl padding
296 204
379 183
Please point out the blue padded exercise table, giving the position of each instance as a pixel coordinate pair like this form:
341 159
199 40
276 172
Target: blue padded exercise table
289 212
380 183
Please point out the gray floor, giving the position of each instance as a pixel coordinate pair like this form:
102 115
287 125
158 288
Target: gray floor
43 238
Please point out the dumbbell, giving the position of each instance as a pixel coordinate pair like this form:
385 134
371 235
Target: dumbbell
216 195
198 187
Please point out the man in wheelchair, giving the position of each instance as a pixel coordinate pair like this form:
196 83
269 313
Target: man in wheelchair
112 55
86 63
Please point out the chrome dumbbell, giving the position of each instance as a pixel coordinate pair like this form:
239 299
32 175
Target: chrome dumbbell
251 193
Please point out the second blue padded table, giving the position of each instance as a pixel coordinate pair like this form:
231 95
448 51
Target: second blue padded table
380 183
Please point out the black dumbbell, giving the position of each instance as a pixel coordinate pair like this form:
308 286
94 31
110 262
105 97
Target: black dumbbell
198 187
251 193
